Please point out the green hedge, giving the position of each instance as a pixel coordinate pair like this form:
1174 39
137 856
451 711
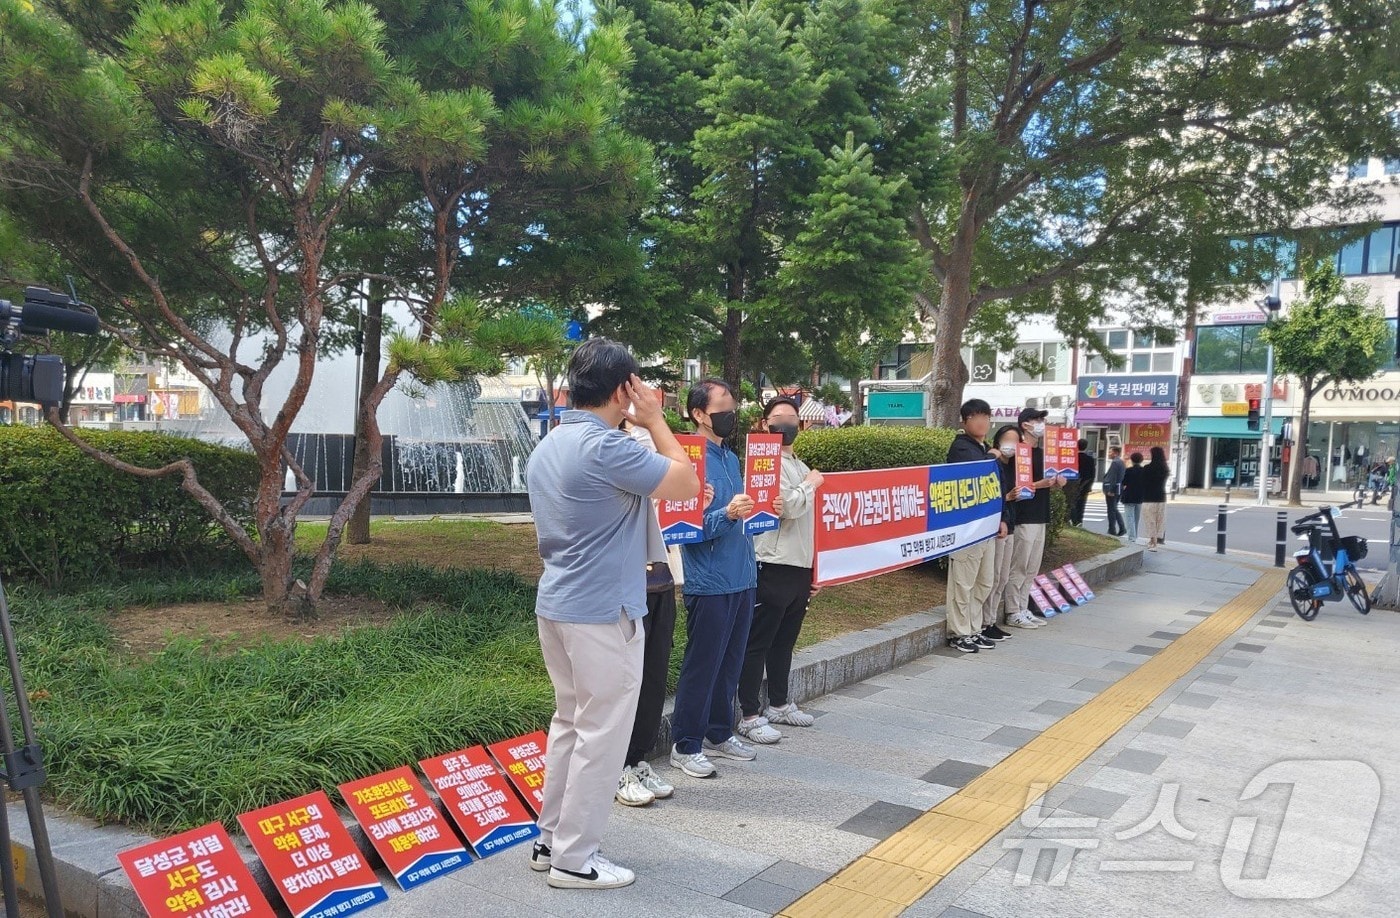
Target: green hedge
852 449
65 516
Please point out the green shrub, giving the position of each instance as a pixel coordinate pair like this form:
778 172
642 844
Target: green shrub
1059 516
852 449
66 516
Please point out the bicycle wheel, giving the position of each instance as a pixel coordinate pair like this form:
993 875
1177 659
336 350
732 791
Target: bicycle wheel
1300 594
1356 590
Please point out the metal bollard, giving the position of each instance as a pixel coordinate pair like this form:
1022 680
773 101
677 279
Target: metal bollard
1220 529
1281 539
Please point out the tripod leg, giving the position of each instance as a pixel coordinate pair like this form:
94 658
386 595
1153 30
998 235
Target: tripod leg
7 865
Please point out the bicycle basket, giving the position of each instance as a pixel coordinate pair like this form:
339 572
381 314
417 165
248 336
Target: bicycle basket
1355 547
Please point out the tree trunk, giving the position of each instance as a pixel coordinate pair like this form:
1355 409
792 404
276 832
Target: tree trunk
733 327
1295 470
372 345
954 310
275 571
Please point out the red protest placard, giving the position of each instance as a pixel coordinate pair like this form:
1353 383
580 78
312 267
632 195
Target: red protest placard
1066 584
1025 472
479 800
311 857
1079 581
523 761
683 520
1052 593
1062 452
407 831
762 480
196 874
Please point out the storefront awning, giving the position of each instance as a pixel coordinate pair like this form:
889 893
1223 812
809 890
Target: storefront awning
1122 415
1236 428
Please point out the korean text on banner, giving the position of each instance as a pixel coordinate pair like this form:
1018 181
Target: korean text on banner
523 761
196 874
762 480
1079 581
1043 602
311 858
684 520
873 522
1052 592
408 832
1067 585
1025 471
479 800
1062 452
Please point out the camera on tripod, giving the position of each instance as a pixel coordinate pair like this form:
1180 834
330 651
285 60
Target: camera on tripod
25 378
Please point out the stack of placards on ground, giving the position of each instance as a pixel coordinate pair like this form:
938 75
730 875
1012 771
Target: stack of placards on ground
314 862
1060 591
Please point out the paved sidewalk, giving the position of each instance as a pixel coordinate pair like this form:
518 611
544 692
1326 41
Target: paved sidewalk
758 837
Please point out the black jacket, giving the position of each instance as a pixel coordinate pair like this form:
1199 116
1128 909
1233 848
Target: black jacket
966 448
1132 484
1154 483
1088 466
1007 472
1037 509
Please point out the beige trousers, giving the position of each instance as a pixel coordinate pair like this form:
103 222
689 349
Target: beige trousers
1027 548
597 671
1001 573
1154 520
971 576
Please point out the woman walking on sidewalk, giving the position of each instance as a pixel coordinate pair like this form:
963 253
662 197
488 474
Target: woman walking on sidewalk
1132 495
1154 497
784 587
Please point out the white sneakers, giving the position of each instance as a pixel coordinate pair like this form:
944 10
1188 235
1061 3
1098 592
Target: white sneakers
697 765
757 730
732 748
652 781
789 715
640 786
598 873
1025 620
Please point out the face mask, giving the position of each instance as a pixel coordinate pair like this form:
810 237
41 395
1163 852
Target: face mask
1038 429
789 432
1008 449
722 422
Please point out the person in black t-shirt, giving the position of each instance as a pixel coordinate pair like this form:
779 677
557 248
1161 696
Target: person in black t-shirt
1032 517
1088 471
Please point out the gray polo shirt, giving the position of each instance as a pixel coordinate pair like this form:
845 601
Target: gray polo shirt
589 486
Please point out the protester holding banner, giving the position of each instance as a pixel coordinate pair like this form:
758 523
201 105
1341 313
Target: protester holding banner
1006 440
588 484
784 588
720 577
1113 490
1154 497
1032 518
1132 495
971 570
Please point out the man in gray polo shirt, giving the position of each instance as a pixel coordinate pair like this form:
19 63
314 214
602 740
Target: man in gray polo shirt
590 485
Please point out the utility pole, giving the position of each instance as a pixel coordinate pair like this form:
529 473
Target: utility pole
1271 305
1387 593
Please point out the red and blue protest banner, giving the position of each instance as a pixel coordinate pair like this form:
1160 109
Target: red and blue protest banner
311 858
1052 592
1062 452
479 800
407 831
762 480
522 758
684 520
1079 581
196 874
874 522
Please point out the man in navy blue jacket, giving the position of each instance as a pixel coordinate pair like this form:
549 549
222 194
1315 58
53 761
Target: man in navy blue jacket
721 575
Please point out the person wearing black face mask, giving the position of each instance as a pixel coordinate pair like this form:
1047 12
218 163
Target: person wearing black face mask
784 588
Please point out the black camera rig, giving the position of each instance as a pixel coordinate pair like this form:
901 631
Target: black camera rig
25 378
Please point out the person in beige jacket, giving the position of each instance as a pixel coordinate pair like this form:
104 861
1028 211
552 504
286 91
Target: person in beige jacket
784 588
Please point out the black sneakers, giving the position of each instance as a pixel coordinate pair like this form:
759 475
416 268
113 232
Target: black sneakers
982 643
540 858
963 644
993 633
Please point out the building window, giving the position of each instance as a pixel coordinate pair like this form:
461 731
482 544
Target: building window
896 363
1140 352
1352 258
1265 255
1392 167
1230 349
1052 358
1380 251
981 363
1358 169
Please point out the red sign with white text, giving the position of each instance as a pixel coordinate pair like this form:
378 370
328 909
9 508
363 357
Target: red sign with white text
311 857
762 480
1079 581
1067 585
1062 452
1142 437
196 874
479 800
1043 602
684 520
407 831
1025 471
523 761
1052 592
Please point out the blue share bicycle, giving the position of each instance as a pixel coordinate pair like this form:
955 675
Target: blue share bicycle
1326 569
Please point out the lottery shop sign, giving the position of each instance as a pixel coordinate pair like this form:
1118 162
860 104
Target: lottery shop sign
882 520
479 800
683 520
197 874
311 857
762 478
523 761
407 831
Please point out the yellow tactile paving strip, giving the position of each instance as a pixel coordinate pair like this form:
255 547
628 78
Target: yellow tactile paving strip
898 872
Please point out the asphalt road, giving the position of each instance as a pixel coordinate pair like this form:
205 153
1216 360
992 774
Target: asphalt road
1253 529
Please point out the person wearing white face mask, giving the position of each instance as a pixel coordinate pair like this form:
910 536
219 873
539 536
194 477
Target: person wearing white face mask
1032 518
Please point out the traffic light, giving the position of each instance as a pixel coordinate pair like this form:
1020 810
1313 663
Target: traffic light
1253 421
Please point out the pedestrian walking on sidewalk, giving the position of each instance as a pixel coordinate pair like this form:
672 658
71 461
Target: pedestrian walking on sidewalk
1005 441
1113 491
720 579
589 485
1132 495
1154 497
784 589
1032 518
